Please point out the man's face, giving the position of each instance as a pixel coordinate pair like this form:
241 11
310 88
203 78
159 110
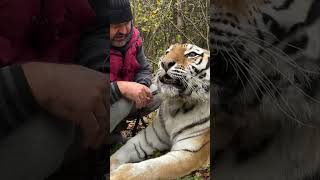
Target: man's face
119 33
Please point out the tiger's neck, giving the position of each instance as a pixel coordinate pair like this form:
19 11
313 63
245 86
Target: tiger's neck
175 106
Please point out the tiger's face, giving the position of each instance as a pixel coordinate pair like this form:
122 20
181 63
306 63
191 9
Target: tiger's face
257 43
184 71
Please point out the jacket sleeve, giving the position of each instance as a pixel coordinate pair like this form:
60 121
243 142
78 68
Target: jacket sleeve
95 45
144 75
94 49
94 53
16 99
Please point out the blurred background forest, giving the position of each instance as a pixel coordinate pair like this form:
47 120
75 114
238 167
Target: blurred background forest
165 22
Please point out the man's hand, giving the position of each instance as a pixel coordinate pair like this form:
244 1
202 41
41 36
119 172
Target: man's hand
74 93
138 93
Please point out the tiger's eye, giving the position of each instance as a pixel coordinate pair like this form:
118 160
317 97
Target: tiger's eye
192 54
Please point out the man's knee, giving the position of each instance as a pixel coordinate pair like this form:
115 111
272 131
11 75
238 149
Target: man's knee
119 111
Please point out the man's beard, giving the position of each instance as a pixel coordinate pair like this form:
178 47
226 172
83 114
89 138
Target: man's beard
121 43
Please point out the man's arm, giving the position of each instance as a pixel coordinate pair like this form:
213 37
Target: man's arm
16 100
94 53
94 49
144 75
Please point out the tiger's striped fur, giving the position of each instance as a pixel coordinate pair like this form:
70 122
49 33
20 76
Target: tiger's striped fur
182 124
265 84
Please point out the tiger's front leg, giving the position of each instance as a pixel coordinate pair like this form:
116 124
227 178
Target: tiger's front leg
140 146
176 163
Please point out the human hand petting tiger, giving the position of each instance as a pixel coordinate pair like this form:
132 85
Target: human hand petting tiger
182 125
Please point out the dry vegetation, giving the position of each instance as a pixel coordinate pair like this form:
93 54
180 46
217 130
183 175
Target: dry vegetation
164 22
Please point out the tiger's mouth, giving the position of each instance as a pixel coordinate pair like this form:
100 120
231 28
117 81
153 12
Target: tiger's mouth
177 83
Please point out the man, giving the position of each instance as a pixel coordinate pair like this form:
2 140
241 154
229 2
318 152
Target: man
44 96
130 72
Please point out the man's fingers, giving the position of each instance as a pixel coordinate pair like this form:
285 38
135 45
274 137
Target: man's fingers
148 92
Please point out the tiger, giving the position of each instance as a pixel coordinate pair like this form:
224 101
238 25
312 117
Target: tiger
265 86
182 125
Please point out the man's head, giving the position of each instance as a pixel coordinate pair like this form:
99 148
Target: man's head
120 22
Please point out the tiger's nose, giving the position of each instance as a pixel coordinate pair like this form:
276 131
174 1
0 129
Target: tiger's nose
166 65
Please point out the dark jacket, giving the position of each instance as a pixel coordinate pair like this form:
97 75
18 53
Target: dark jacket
48 31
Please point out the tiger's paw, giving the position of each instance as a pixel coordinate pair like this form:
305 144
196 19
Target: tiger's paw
114 164
128 171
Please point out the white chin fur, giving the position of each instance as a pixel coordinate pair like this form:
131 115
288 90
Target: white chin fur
168 90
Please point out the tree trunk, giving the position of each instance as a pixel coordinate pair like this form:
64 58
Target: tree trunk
180 21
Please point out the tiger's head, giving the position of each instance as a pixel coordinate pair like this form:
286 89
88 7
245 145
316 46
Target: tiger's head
257 44
184 71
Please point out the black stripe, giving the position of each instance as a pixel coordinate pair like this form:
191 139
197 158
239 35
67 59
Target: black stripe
145 137
313 13
284 6
174 114
196 135
162 121
202 75
275 27
135 147
235 18
200 61
186 108
260 36
149 144
194 151
207 67
144 152
195 69
291 47
155 132
311 88
202 121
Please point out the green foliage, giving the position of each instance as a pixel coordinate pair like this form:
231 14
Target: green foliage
157 21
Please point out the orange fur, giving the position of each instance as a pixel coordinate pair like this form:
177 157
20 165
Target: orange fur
177 55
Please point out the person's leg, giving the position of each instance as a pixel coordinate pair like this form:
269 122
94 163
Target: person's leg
119 111
152 106
36 149
124 109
